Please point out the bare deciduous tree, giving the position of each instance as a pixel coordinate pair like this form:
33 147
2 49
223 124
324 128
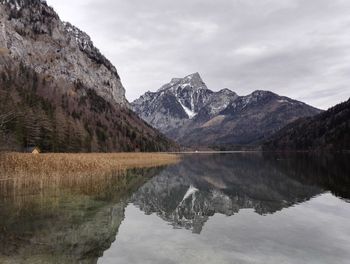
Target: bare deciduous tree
6 118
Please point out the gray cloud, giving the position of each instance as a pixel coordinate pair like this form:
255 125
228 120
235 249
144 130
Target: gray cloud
296 48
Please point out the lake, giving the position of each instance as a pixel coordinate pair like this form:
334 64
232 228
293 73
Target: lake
208 208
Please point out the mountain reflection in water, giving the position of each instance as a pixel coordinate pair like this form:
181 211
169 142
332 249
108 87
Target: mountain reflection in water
123 222
224 184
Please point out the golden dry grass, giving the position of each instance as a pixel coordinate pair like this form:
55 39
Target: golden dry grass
28 173
19 165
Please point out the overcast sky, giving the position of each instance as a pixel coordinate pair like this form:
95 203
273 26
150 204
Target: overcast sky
296 48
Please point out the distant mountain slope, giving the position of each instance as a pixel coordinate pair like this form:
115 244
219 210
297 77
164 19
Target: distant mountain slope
58 92
190 113
329 130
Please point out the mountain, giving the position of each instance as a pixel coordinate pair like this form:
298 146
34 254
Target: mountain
329 130
190 113
58 91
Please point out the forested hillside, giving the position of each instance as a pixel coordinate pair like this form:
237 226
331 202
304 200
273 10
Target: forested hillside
37 111
329 130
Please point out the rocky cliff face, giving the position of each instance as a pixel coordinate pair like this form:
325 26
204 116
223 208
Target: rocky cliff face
187 111
32 32
60 92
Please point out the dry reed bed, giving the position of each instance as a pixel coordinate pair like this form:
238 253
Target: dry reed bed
16 165
23 174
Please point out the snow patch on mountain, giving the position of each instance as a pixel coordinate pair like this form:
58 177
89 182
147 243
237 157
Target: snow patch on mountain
188 111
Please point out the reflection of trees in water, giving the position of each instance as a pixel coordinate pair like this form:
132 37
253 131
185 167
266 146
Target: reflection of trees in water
329 171
228 183
76 223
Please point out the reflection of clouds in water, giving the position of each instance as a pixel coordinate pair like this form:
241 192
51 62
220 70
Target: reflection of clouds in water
305 233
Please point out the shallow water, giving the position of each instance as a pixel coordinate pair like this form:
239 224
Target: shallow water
209 208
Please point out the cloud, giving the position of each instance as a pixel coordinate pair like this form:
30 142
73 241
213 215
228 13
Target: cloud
296 48
250 50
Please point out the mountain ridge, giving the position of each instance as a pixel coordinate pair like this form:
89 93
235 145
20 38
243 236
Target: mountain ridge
189 112
329 130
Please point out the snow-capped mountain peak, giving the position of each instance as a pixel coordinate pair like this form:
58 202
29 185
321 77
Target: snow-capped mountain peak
190 92
193 81
186 110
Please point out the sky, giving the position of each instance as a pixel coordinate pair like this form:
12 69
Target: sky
296 48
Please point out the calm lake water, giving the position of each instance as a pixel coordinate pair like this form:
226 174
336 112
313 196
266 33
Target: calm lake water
209 208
